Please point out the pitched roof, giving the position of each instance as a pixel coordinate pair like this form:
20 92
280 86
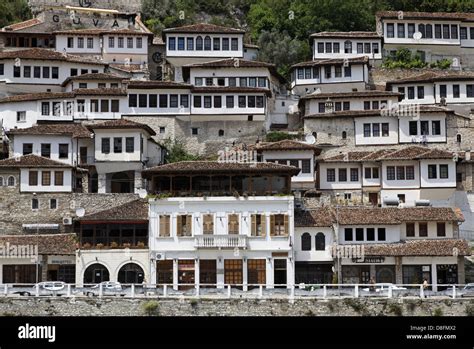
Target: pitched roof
231 63
287 144
48 244
405 153
136 211
230 89
152 84
29 97
433 247
122 124
22 25
204 28
74 129
332 61
48 55
129 68
93 76
321 217
427 15
356 94
433 76
32 161
343 35
102 31
213 167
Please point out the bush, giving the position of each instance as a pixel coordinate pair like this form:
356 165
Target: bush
176 152
151 308
404 59
275 136
470 310
395 309
438 312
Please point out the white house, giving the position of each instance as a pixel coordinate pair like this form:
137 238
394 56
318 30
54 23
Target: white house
93 81
330 75
328 45
437 35
214 226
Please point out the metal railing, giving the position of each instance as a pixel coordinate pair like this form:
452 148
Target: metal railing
255 291
220 241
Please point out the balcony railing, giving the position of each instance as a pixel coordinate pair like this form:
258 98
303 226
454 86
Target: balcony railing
221 241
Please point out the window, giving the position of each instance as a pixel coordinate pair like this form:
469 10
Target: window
2 69
142 100
46 150
94 105
367 47
26 71
337 71
242 102
208 224
279 225
53 204
217 102
411 92
184 225
45 178
233 224
221 133
366 105
443 171
171 44
132 101
400 173
368 173
184 101
446 32
80 42
34 204
400 30
16 72
366 130
90 43
260 102
390 173
346 105
385 129
420 92
413 128
199 43
251 101
45 108
330 175
437 31
181 44
347 71
424 127
390 30
163 101
162 129
63 151
370 234
207 43
410 173
470 91
441 229
165 230
471 33
360 47
129 144
320 242
436 127
105 145
381 234
104 105
348 46
11 181
194 131
375 47
33 178
327 72
207 102
411 30
225 44
20 116
173 101
55 72
354 175
342 175
305 242
216 44
117 144
359 234
348 234
423 229
328 47
70 42
336 47
322 107
190 44
37 72
82 85
410 229
259 225
197 101
443 91
229 101
58 178
432 172
306 166
111 41
456 91
235 44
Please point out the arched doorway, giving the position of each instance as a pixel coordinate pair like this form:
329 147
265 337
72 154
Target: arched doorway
96 273
131 273
121 182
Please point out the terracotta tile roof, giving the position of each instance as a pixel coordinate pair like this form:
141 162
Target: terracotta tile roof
122 124
32 161
214 167
102 31
152 84
136 211
406 153
231 63
230 89
64 95
314 218
130 68
331 61
251 46
48 55
158 40
357 94
435 76
48 244
93 76
427 15
374 112
22 25
438 247
287 144
343 35
73 129
204 28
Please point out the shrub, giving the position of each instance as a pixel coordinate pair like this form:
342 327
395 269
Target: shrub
151 308
470 310
438 312
395 309
275 136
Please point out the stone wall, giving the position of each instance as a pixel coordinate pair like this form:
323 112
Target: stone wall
235 307
121 5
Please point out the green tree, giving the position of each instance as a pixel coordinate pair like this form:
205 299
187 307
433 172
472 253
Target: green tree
13 11
176 152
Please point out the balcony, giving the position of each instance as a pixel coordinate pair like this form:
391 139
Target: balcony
220 241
